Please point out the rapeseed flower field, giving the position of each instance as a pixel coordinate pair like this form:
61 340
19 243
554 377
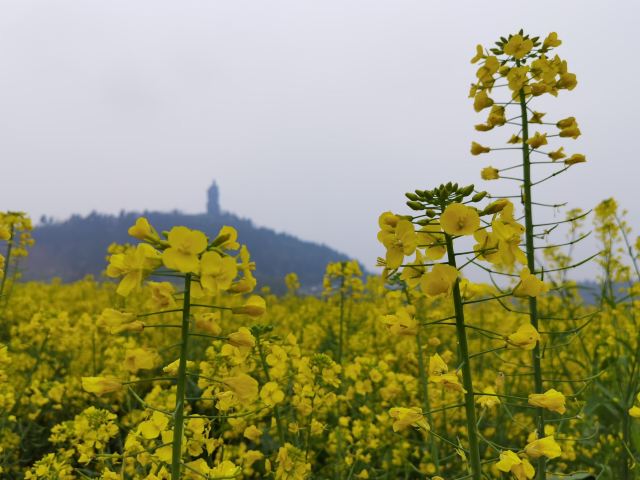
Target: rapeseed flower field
177 365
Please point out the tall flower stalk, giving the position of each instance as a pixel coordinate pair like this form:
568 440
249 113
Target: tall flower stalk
181 381
525 64
445 216
207 269
465 359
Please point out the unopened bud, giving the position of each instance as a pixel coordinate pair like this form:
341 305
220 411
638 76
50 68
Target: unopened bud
495 207
466 191
478 196
412 196
415 205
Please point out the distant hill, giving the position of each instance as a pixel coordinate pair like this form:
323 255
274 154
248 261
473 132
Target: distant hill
77 247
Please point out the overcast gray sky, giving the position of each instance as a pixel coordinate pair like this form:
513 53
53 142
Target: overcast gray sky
313 116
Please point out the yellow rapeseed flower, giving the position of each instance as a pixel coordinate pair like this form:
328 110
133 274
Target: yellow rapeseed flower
153 427
402 323
482 101
525 337
242 338
459 219
255 306
101 385
520 468
439 374
477 149
551 41
400 240
518 47
489 399
439 281
173 367
538 140
142 230
497 116
557 154
479 54
437 365
575 158
406 417
546 446
244 387
217 272
271 394
140 359
517 78
253 433
227 238
530 285
161 295
551 400
490 173
536 117
133 266
184 247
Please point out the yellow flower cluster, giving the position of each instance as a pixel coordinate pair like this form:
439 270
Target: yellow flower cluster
345 416
15 234
178 371
526 66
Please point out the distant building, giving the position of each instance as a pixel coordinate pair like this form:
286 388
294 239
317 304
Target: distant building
213 200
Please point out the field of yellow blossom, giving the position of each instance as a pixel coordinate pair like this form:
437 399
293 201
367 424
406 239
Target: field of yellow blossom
176 365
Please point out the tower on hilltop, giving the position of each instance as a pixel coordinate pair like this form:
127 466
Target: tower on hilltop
213 200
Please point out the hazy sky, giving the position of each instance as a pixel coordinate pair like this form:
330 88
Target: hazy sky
313 116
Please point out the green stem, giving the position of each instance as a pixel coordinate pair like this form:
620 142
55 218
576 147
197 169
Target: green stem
425 402
424 385
7 262
533 303
178 416
341 334
467 383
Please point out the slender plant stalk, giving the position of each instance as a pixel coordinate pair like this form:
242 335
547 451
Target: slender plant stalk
7 261
530 247
178 415
627 244
425 402
467 383
341 334
424 386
